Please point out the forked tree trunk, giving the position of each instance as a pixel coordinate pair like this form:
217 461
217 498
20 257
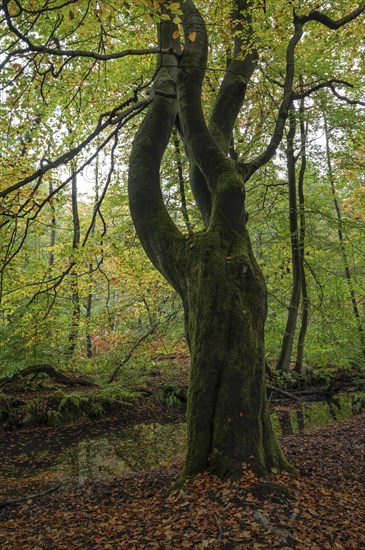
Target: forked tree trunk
215 273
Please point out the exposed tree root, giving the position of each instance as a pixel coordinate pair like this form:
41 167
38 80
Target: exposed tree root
12 501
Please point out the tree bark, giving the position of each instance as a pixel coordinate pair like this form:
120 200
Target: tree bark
348 275
283 363
228 419
75 298
302 235
221 286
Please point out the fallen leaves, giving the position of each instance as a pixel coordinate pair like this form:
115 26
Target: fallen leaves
321 509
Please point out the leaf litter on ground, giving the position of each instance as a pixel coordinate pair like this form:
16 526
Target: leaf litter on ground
321 508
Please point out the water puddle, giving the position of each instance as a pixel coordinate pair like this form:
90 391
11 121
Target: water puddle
39 459
140 448
296 419
35 459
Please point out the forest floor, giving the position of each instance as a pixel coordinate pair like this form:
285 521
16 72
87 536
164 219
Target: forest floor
323 507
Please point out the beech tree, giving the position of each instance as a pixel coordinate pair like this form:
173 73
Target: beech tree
63 54
215 272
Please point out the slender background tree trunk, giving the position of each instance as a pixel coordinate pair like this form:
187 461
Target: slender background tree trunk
341 239
89 299
75 297
283 363
302 234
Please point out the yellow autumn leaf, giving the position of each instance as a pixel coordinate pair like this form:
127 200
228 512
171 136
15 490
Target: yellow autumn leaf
176 20
192 36
148 19
175 35
174 6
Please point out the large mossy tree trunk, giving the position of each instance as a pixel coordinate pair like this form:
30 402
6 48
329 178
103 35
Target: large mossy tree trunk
228 418
220 284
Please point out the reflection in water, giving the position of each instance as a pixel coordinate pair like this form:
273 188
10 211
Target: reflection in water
284 417
112 451
139 448
300 419
307 415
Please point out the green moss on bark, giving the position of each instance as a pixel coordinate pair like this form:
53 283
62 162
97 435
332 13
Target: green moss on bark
228 419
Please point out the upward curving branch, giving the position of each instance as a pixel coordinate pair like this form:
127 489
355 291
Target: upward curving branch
159 236
232 91
202 146
250 168
230 96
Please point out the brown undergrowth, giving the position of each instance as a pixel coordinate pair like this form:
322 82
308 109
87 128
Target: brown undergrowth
322 508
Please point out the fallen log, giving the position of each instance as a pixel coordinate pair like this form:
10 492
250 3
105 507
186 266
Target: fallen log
316 392
283 393
51 372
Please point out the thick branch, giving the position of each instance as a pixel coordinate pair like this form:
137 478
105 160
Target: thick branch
159 236
230 97
331 23
347 99
232 91
331 85
202 147
60 52
328 84
70 54
116 117
251 167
